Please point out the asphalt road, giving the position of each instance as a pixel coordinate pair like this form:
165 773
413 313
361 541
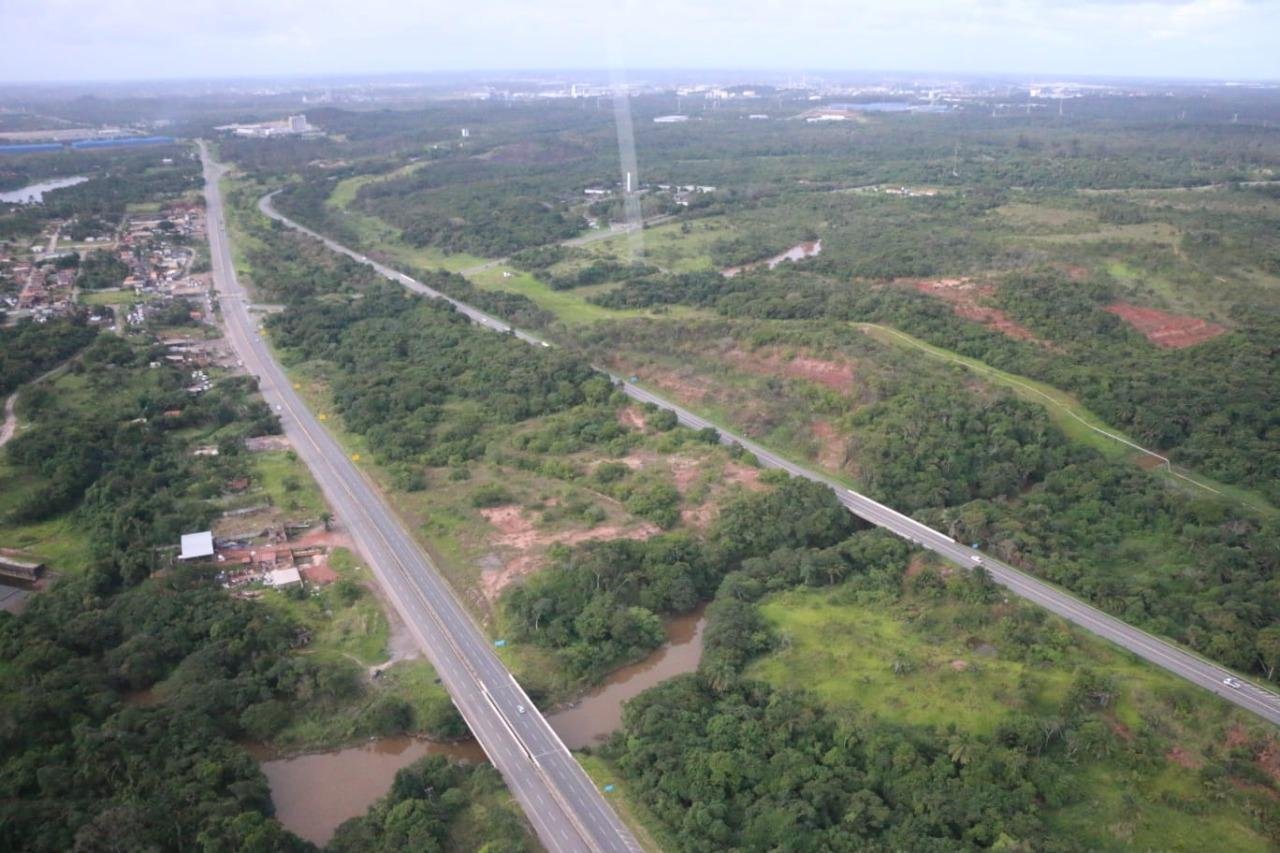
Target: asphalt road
1163 653
561 802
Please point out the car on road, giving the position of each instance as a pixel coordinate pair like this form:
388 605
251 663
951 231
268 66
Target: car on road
1232 682
977 558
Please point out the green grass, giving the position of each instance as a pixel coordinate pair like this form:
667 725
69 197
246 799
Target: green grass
61 543
669 245
109 297
569 306
1114 815
844 654
355 630
842 645
287 483
350 630
1042 218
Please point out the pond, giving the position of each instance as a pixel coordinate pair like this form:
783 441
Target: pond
798 252
34 193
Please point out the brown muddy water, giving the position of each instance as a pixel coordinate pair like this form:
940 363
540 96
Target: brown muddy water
315 793
798 252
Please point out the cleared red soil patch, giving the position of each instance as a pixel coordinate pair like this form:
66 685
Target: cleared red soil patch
916 566
318 573
630 416
966 298
835 374
516 532
693 389
1165 330
1237 735
741 475
1269 759
832 450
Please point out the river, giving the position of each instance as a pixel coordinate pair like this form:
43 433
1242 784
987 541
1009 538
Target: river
34 193
317 792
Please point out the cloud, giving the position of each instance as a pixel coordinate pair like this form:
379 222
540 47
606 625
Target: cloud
78 39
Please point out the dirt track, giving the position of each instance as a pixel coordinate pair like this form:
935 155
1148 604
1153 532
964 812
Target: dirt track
10 425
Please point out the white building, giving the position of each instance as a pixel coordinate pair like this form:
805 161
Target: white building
670 119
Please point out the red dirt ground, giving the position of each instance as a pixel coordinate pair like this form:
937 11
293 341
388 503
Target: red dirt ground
631 417
835 374
1165 330
517 532
915 567
1182 758
1269 759
831 445
966 297
693 389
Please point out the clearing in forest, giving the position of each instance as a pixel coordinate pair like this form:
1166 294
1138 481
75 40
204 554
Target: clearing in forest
1165 330
968 298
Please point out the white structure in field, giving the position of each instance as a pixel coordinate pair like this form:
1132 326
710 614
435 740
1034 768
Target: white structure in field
282 578
196 545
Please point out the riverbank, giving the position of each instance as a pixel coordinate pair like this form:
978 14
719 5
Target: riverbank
308 802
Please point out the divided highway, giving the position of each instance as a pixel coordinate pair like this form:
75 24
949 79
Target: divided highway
1163 653
561 802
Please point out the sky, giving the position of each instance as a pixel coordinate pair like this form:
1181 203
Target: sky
90 40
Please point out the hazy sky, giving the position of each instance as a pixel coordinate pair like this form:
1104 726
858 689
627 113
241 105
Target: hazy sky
156 39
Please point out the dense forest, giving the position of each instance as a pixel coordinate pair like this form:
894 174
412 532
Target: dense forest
424 809
101 268
397 359
82 767
84 764
29 349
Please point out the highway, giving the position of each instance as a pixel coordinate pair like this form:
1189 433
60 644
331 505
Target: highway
1163 653
561 802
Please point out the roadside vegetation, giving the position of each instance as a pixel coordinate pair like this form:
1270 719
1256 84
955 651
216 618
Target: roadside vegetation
129 647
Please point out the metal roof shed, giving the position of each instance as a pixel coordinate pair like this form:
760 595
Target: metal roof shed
196 545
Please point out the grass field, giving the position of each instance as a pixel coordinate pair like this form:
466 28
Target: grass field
287 484
109 297
845 649
60 542
670 246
